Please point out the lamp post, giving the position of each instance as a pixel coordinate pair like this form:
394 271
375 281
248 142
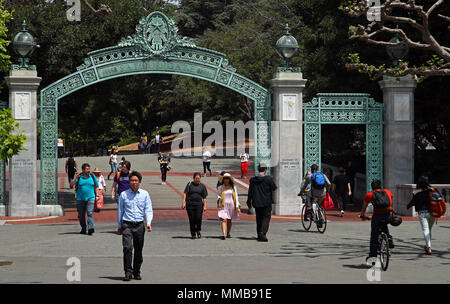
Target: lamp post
24 45
398 52
286 47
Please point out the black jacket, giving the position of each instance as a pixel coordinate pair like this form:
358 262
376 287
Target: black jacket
421 201
260 191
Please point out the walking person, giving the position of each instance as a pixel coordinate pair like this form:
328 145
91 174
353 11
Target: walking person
320 185
342 189
260 196
206 161
121 180
421 202
149 144
380 198
134 207
350 171
113 163
101 187
244 163
228 204
164 161
158 141
122 160
71 168
194 200
87 193
142 143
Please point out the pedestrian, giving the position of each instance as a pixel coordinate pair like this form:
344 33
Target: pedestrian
71 168
158 141
421 202
143 143
194 200
87 193
342 189
149 144
164 161
244 163
320 185
260 194
381 215
101 188
350 171
122 160
115 147
219 182
228 204
121 180
206 161
134 207
113 163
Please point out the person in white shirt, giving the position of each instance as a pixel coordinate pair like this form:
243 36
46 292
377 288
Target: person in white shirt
101 186
244 163
206 161
113 163
158 140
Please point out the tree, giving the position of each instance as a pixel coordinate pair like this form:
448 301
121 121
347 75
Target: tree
423 31
10 144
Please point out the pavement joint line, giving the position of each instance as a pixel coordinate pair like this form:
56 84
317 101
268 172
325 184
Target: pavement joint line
33 219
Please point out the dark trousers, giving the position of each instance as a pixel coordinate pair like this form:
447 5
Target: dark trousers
263 215
206 166
132 238
157 147
340 199
378 221
71 175
163 172
195 213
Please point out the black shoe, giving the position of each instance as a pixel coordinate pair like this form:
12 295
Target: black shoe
193 237
91 231
223 238
83 231
137 277
127 277
262 238
199 236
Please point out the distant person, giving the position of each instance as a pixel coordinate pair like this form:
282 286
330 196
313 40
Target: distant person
244 163
113 163
149 144
122 161
228 204
121 180
341 188
158 141
143 143
163 160
134 213
194 200
351 174
101 188
220 182
115 147
260 196
421 202
87 194
206 161
71 168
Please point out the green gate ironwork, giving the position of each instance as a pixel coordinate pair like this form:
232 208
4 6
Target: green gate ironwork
155 48
345 108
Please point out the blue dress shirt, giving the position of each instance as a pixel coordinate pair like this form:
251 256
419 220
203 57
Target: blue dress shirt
134 207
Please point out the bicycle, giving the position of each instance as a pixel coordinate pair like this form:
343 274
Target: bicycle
383 249
316 214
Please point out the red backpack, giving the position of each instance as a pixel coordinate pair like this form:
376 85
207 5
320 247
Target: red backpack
437 203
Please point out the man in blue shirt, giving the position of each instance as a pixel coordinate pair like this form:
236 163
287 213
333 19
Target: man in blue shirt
134 206
86 193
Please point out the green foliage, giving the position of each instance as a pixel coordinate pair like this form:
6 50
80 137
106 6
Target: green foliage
10 144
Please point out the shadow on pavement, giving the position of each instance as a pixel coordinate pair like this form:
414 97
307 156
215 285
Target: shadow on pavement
112 278
360 266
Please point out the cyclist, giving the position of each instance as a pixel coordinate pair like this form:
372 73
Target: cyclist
320 185
381 216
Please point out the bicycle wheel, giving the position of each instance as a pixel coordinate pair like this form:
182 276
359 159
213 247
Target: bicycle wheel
321 215
306 224
383 244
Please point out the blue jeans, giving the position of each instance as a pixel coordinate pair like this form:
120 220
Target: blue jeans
113 169
84 207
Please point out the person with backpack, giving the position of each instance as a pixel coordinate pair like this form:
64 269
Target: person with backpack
87 194
121 181
163 160
320 185
113 163
194 200
421 202
381 200
71 168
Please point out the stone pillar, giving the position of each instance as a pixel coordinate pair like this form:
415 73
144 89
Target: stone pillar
398 98
23 85
287 136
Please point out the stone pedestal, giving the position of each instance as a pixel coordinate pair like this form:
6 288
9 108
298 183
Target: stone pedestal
23 86
398 97
287 136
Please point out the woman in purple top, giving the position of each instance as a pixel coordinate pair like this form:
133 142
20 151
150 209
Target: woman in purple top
121 180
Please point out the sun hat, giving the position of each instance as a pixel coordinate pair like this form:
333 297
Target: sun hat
97 170
226 175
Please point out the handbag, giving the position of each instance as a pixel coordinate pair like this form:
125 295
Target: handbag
328 202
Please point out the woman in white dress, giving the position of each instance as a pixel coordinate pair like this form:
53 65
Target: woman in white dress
228 204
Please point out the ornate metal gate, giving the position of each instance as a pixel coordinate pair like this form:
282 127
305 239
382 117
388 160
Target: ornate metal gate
155 48
335 108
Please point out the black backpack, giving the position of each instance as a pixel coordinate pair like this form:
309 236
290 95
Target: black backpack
71 163
380 200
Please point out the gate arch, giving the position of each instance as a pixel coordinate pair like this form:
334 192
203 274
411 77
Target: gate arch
155 48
